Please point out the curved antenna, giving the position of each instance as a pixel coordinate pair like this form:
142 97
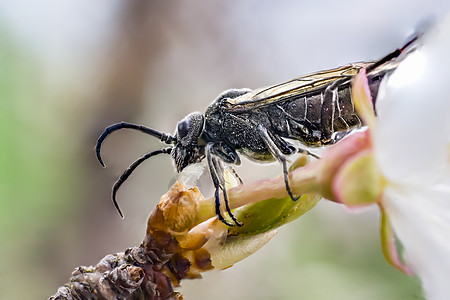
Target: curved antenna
168 139
130 170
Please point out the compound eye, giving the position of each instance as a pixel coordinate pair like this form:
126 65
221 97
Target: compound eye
183 128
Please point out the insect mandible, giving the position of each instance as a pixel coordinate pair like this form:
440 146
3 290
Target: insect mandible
315 109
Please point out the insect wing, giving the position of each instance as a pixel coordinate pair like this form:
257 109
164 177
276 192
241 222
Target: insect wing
307 84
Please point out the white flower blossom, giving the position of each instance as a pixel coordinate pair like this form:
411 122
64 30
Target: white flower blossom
412 149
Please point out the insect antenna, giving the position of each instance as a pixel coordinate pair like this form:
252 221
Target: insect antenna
166 138
391 55
130 170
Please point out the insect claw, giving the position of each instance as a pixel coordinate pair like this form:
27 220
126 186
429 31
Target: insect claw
235 221
219 213
294 198
230 213
222 219
238 224
286 181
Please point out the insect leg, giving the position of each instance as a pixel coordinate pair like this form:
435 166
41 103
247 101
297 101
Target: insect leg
279 156
220 171
130 170
235 174
307 152
213 171
287 148
227 154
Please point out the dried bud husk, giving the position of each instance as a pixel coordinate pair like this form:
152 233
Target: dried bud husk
180 208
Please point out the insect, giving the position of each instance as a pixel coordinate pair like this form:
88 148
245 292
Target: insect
315 109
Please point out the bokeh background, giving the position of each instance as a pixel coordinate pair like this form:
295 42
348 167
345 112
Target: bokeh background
70 68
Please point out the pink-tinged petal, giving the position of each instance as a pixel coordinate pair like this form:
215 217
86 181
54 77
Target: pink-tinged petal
362 99
358 181
333 158
389 246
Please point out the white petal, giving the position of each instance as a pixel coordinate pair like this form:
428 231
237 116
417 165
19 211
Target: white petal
412 148
421 220
413 134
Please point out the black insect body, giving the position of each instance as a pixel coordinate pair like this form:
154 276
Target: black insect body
316 110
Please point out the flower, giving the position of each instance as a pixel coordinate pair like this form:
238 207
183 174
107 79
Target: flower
401 162
405 168
412 149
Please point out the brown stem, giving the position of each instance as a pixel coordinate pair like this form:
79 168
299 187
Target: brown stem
171 251
136 273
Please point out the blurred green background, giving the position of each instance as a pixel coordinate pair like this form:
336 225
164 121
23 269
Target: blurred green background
70 68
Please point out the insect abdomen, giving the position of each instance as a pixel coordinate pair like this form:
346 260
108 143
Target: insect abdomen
308 118
345 116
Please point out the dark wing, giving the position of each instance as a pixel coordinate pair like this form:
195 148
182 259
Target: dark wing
308 84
